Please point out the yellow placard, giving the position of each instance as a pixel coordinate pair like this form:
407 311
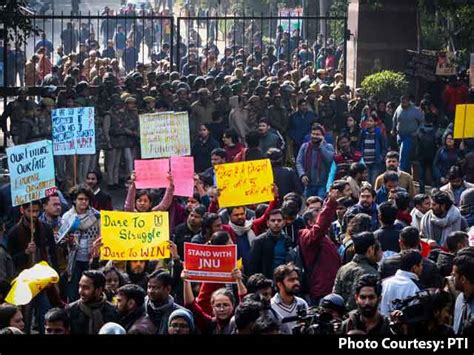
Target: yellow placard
30 282
134 235
464 121
244 183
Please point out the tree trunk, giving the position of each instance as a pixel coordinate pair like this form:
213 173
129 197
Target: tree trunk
324 6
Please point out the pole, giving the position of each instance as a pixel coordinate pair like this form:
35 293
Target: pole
75 169
32 233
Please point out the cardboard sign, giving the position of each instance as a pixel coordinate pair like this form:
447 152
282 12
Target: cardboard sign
164 134
73 131
244 183
464 121
445 65
152 174
134 235
30 282
31 168
210 263
182 169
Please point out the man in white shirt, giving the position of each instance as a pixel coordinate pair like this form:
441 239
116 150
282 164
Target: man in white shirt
404 283
285 303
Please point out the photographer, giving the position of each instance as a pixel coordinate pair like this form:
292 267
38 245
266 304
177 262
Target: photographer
423 314
366 318
405 281
463 272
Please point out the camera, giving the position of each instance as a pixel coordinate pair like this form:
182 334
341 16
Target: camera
313 321
414 309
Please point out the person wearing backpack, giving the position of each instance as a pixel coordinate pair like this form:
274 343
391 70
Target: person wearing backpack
320 256
426 149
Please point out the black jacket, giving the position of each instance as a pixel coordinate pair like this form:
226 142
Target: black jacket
388 237
181 235
263 252
445 263
286 180
80 322
430 276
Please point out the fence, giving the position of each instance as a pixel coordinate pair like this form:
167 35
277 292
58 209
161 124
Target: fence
112 35
256 33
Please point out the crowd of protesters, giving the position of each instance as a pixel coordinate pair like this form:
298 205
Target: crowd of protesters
349 229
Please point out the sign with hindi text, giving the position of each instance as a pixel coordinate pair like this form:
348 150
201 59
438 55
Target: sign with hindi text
164 134
134 235
31 168
73 131
210 263
244 183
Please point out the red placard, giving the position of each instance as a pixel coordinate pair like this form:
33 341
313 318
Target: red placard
210 263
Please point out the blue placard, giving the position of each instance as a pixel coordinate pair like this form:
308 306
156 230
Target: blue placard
31 169
73 131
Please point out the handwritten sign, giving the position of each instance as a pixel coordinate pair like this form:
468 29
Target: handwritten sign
464 121
244 183
210 263
31 168
152 173
134 236
73 131
164 134
182 169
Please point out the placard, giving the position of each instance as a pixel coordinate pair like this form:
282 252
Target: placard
134 235
164 134
31 168
73 131
464 122
210 263
244 183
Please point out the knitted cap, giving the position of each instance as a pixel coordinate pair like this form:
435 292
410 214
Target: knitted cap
185 314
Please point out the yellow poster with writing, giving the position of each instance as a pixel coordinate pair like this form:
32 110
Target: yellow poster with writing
464 121
30 282
134 235
244 183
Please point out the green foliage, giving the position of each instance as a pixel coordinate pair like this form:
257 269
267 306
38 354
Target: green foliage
16 20
387 85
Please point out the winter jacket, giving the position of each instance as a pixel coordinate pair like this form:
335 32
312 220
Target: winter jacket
371 211
262 253
159 315
299 126
319 253
316 165
201 151
80 323
138 322
348 276
388 237
380 145
445 263
7 268
430 276
286 180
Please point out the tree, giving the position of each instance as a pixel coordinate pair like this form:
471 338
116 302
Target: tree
16 19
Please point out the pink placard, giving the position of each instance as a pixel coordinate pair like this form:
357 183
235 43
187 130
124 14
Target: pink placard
151 173
182 169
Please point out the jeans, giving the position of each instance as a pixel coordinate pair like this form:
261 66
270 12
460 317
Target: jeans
405 142
87 163
374 170
73 285
315 190
39 305
425 165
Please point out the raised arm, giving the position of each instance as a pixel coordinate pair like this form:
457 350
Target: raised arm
165 203
259 224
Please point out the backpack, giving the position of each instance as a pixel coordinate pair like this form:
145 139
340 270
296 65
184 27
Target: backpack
426 143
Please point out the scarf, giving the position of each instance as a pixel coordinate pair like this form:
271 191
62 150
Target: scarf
450 223
130 318
416 216
93 311
156 312
246 228
308 159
